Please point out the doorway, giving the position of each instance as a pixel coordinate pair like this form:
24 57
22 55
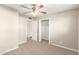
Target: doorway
29 30
45 30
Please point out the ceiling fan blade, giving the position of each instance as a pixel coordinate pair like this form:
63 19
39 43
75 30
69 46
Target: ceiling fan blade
34 7
25 7
41 6
26 12
33 4
43 12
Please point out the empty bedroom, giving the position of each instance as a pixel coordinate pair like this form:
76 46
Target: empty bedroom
39 29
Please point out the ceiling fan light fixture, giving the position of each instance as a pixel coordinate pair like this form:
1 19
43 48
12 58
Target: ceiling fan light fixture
41 6
34 13
36 9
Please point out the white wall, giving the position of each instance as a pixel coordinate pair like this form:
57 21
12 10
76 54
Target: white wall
8 29
22 29
78 30
63 29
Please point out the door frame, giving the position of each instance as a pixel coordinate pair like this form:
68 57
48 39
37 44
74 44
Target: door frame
40 37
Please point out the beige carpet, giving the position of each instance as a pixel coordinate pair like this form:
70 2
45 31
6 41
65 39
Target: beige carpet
39 48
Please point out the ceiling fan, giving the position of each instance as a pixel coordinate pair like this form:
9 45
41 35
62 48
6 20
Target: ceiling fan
36 8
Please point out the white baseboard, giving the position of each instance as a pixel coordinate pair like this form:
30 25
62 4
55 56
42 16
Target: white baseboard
34 40
12 48
9 50
64 47
22 42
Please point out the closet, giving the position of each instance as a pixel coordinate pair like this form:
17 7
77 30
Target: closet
45 30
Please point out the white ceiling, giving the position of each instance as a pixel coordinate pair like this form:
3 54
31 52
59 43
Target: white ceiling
49 8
